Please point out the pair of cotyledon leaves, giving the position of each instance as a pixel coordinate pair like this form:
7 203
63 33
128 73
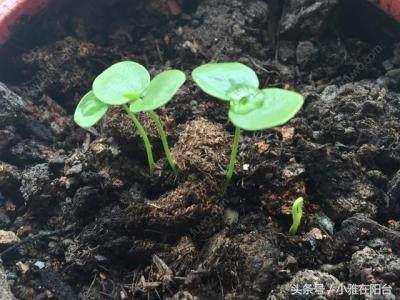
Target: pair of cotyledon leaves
125 82
250 107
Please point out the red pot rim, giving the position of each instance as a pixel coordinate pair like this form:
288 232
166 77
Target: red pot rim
391 7
12 11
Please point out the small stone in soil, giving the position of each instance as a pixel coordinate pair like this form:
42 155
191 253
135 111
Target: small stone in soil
231 216
22 267
325 222
39 264
7 238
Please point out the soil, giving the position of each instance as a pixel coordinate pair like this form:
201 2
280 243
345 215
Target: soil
89 222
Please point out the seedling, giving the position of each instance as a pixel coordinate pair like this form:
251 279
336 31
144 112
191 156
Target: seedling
127 84
251 108
297 213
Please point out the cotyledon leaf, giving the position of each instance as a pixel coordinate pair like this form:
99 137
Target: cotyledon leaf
121 83
219 79
160 90
278 107
89 110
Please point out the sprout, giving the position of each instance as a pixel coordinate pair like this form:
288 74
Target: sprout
297 213
251 108
128 84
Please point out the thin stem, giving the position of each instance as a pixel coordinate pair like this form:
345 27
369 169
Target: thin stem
164 141
144 137
235 148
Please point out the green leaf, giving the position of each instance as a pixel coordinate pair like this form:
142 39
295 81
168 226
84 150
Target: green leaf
121 83
297 214
161 90
89 110
219 79
278 107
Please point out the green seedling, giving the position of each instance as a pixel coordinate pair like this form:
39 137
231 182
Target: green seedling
297 213
127 84
251 108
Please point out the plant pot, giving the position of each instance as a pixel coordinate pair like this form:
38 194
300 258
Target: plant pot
164 237
13 12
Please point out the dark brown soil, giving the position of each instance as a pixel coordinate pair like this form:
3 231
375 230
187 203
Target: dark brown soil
121 234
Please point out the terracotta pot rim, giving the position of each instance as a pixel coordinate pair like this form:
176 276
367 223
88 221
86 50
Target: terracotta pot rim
391 7
13 11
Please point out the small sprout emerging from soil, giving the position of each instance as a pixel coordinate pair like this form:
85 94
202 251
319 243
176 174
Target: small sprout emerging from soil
127 84
251 108
297 213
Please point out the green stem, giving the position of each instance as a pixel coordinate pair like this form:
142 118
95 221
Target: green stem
164 141
235 148
144 137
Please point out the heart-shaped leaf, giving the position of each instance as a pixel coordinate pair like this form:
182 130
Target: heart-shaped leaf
89 110
161 90
278 107
121 83
219 79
